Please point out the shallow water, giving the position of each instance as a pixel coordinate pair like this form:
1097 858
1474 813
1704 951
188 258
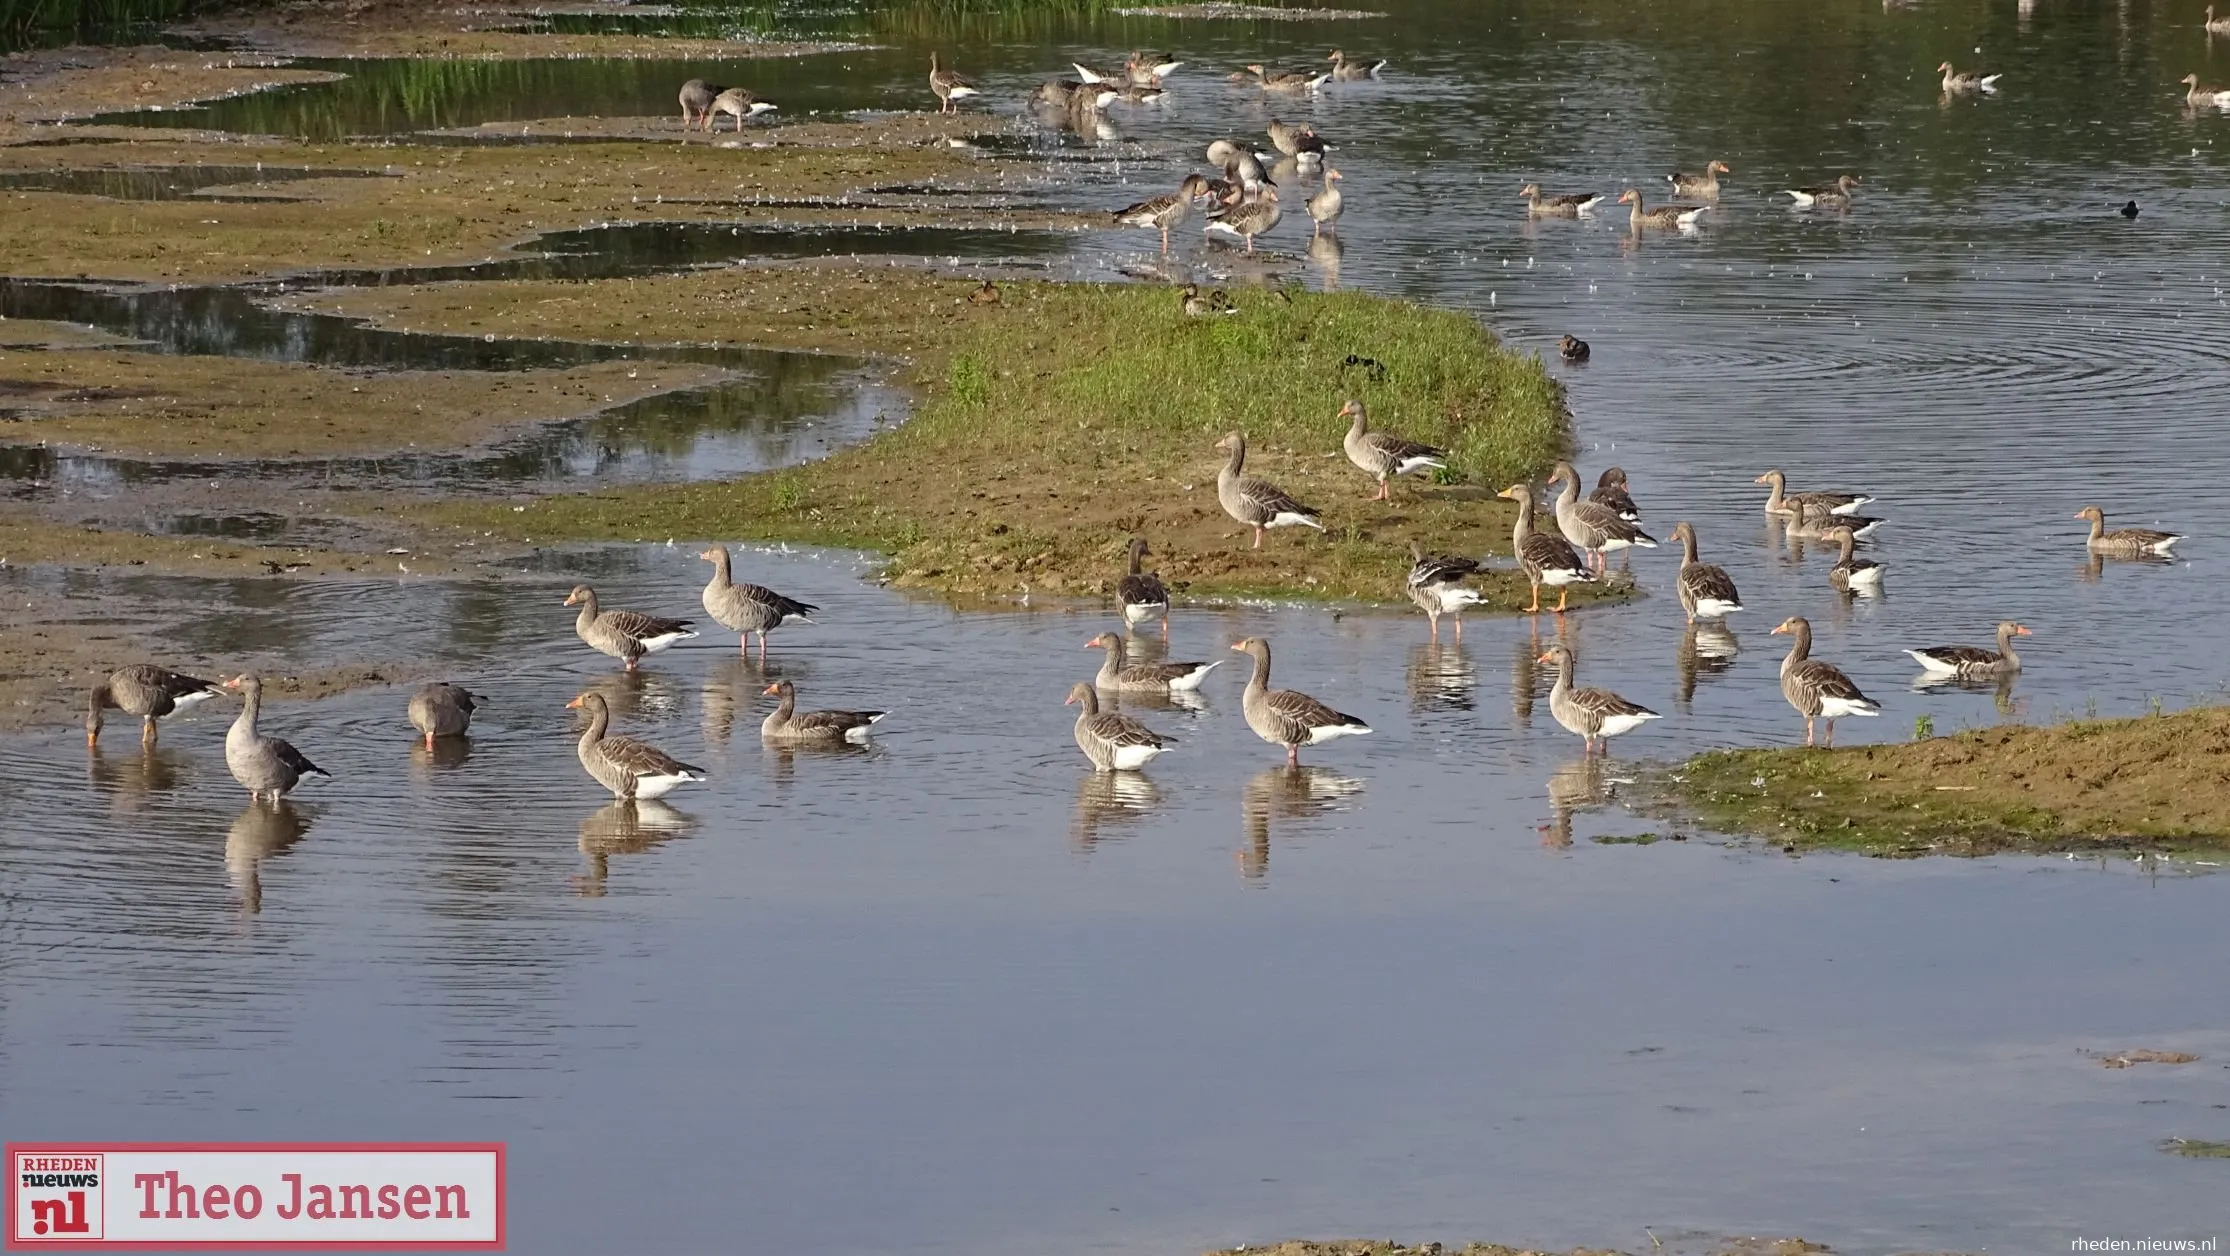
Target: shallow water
169 183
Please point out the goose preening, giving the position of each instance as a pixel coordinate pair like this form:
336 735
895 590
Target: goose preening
265 765
1703 186
1968 662
1141 593
1957 84
1572 349
623 765
1593 526
1662 218
1285 717
1239 166
1383 455
1326 206
1257 503
1597 715
787 725
1817 689
1612 490
2126 542
1836 195
746 608
1248 219
147 691
1706 592
625 635
1436 585
1782 502
1346 71
1114 742
1118 674
1545 557
950 87
1289 81
1164 212
1571 205
442 710
1146 69
1851 573
696 101
737 103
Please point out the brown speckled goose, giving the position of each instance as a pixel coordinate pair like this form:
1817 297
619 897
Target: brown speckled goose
1436 585
949 87
1257 503
1967 662
1593 526
2126 542
1284 717
442 710
623 765
1568 206
265 765
1164 212
748 608
625 635
1611 491
1141 593
737 103
1118 674
1836 195
1597 715
1662 218
146 691
1851 574
1346 71
1247 220
1957 84
1114 742
1326 206
1821 524
1703 186
788 726
1291 82
1706 592
1818 690
2204 95
1782 502
1382 455
1545 557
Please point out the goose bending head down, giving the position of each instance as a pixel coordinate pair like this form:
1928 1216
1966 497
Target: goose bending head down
146 691
1286 717
623 765
265 765
1818 690
442 710
1254 502
1114 742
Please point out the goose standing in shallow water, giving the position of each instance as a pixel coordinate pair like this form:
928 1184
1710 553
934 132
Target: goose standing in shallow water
1967 662
1114 742
2126 542
1250 219
1383 455
1539 206
1851 574
1544 556
786 725
1593 526
623 765
442 710
1141 593
1257 503
696 101
1706 592
266 765
1119 675
748 608
1957 84
1436 585
1162 213
949 87
625 635
1284 717
1703 186
1818 690
1662 218
1597 715
146 691
1782 502
1326 206
1836 195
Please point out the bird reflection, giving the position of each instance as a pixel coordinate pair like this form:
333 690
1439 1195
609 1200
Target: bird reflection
1706 649
1107 800
1573 788
2000 688
637 694
2096 567
623 828
1528 683
731 686
782 757
1440 677
446 753
263 830
1285 793
131 783
1187 700
1325 251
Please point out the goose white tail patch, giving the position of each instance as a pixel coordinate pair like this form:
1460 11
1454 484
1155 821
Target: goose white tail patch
658 786
1193 680
1408 465
2162 547
1850 507
652 645
184 700
1566 575
858 735
1132 758
1288 519
1837 708
1713 608
1138 612
1802 198
1866 575
1616 724
1327 732
1939 666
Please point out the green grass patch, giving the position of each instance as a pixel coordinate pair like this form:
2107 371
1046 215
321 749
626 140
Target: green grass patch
2197 1148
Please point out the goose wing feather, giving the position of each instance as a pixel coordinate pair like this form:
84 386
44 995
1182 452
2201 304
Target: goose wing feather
1117 729
640 626
1271 500
1705 581
1142 590
1303 712
637 759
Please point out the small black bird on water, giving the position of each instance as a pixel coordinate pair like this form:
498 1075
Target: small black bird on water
2129 210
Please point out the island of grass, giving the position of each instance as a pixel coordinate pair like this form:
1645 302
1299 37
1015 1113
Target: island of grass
2150 783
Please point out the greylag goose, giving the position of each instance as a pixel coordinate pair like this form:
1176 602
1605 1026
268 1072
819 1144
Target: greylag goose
1288 81
737 103
1836 195
1148 69
1247 220
146 691
1662 218
2126 542
1301 143
1704 186
1118 674
1544 556
1569 206
1782 502
1382 455
696 101
1818 690
2216 25
1957 84
786 725
1706 592
1573 349
1164 212
623 765
1325 207
1850 572
1258 504
1812 520
625 635
1141 593
748 608
442 710
1967 662
950 87
266 765
1114 742
1239 166
1593 526
1436 585
1597 715
986 293
1346 71
2201 96
1284 717
1611 490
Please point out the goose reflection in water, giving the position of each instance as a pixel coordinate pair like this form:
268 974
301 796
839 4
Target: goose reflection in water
446 754
624 828
1109 800
1529 681
730 693
636 695
1706 649
1573 788
257 834
2000 688
1286 793
1186 700
133 783
1325 251
1441 677
782 758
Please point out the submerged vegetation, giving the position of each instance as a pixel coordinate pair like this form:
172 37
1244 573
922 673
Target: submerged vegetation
43 21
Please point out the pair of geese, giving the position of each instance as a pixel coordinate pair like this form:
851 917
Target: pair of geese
1115 742
1261 505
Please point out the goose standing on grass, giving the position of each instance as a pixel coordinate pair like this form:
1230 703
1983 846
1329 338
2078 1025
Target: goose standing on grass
1593 526
1957 84
2216 25
2200 96
1544 556
1568 206
1706 592
1284 717
1114 742
1436 585
148 692
1597 715
696 101
1662 218
1257 503
625 635
442 710
1611 490
1326 206
623 765
1291 82
1782 502
1119 675
786 726
748 608
1249 219
1346 71
1705 186
1967 662
2126 542
1818 690
949 87
1161 213
1836 195
266 765
1141 593
1851 574
1383 455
